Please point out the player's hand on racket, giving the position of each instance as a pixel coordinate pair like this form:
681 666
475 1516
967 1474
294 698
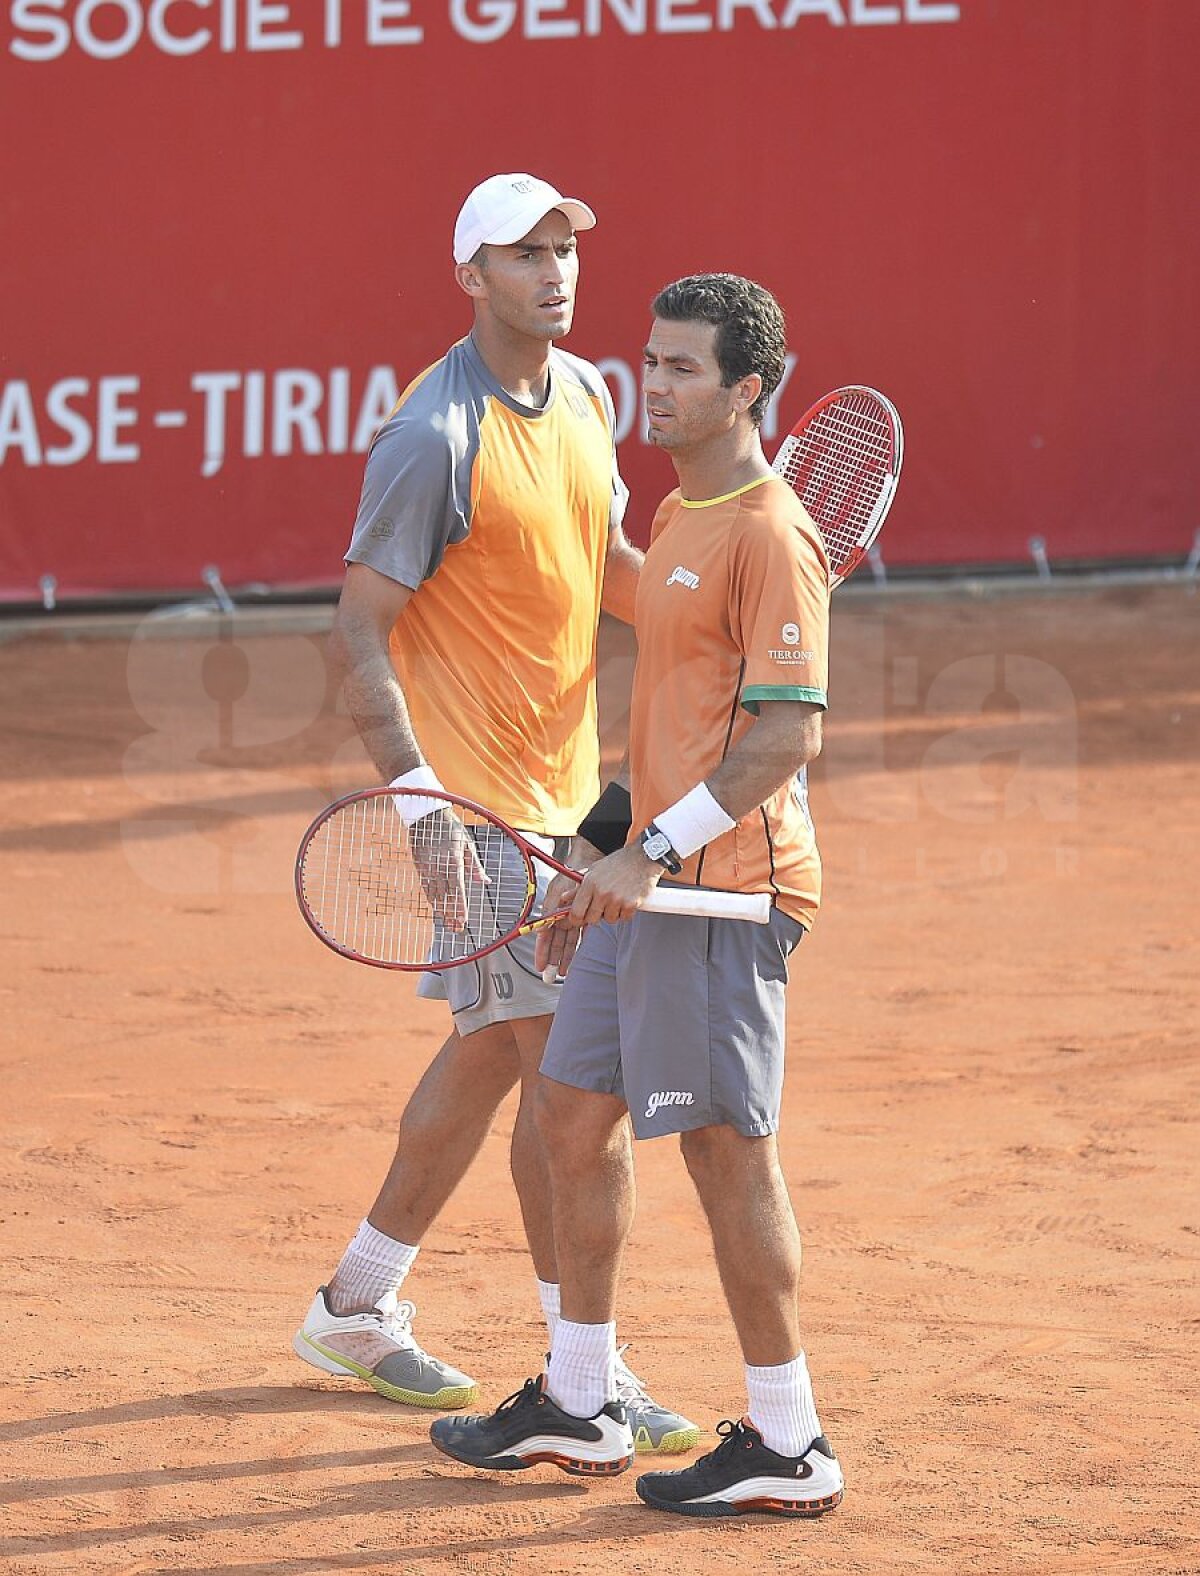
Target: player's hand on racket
615 887
447 864
556 943
367 888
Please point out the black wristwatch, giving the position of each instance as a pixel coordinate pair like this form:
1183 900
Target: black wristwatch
656 845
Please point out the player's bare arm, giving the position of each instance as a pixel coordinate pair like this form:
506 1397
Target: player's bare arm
622 565
785 736
370 604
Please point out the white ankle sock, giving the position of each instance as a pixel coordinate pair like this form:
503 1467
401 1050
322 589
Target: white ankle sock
583 1360
549 1299
371 1266
781 1406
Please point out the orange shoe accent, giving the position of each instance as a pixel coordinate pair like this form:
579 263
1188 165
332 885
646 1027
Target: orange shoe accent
794 1507
582 1468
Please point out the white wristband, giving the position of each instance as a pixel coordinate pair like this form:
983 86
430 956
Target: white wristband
410 808
693 821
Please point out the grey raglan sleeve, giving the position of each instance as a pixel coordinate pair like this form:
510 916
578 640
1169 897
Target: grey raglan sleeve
410 510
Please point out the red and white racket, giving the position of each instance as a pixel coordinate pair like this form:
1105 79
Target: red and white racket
413 897
842 459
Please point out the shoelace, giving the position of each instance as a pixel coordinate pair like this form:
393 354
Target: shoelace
531 1390
629 1386
733 1436
396 1318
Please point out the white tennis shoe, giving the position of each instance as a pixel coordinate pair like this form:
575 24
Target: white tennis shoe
379 1348
657 1431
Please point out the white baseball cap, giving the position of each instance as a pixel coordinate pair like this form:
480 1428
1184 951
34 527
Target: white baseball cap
504 208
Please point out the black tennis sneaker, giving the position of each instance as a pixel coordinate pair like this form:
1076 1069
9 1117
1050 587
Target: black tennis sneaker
529 1428
742 1475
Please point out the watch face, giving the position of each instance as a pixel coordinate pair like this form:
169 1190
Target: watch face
656 845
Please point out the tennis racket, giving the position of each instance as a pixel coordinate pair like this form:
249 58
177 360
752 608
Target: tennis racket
842 459
451 887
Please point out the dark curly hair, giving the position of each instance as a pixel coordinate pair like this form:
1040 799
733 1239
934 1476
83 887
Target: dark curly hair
749 324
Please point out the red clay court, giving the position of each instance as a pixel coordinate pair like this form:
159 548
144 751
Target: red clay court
990 1127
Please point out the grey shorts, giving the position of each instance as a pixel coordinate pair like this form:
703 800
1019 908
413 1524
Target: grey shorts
504 984
681 1018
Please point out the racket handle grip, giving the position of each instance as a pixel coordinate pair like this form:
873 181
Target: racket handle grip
754 906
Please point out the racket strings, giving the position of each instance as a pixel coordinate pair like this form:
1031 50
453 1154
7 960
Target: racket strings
841 466
412 895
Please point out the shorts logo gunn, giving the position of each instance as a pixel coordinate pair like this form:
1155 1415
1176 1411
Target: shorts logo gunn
662 1097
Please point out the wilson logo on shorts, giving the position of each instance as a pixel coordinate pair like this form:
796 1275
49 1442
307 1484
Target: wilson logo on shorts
680 576
662 1097
503 984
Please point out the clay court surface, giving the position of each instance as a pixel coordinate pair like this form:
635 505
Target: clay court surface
990 1128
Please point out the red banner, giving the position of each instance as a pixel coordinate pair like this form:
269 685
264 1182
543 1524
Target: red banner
228 243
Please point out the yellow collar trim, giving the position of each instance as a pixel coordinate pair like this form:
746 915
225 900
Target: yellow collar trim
707 503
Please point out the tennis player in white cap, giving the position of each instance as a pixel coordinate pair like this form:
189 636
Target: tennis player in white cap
487 539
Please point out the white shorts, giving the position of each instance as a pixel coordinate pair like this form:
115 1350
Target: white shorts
504 984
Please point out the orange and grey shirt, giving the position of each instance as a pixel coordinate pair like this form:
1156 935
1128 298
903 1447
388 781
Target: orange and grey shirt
732 610
497 517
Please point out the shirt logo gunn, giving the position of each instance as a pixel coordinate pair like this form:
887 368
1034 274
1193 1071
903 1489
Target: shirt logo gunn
680 576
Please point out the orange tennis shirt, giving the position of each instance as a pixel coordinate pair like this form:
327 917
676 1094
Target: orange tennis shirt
498 517
732 610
